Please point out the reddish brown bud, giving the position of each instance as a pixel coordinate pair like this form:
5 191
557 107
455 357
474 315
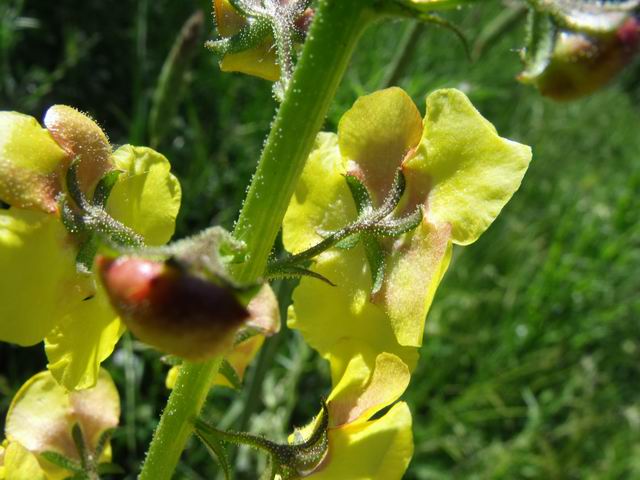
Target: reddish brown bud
170 309
303 22
582 63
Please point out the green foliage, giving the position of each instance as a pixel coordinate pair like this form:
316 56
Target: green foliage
530 365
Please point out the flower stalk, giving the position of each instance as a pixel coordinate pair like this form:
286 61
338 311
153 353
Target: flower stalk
175 427
331 41
329 46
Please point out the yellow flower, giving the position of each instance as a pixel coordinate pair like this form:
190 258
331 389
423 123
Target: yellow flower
259 61
456 168
359 446
247 42
460 173
42 293
40 422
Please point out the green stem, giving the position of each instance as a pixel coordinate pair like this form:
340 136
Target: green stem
331 41
176 423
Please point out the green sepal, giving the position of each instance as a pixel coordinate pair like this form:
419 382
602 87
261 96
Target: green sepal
246 9
397 226
360 195
62 461
73 185
103 440
294 271
250 36
87 253
349 242
78 440
92 218
218 452
541 36
393 198
228 372
290 461
208 253
71 220
87 468
376 260
104 187
371 224
246 333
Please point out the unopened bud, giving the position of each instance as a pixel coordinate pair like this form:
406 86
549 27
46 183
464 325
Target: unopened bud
171 309
303 22
581 63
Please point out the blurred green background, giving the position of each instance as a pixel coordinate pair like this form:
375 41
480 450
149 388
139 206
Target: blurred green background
531 362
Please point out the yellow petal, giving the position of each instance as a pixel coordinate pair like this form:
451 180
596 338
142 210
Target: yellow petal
260 61
30 162
380 449
469 171
83 339
228 21
39 282
363 390
239 358
37 417
376 134
264 311
80 137
96 409
42 413
415 266
315 205
21 464
147 196
326 315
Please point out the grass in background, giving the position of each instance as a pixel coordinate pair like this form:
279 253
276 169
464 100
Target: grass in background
532 357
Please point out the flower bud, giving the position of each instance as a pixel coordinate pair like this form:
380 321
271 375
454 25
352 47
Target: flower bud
581 64
171 309
303 22
247 46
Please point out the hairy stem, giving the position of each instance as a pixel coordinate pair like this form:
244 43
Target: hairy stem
330 43
176 423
